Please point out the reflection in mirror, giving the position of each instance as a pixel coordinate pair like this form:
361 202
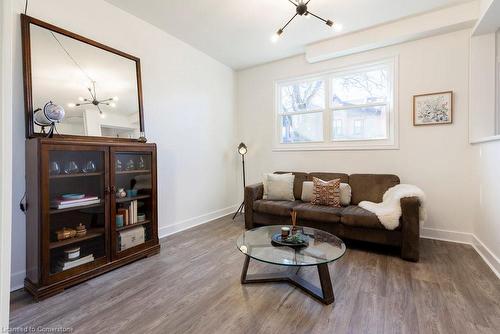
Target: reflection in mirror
97 88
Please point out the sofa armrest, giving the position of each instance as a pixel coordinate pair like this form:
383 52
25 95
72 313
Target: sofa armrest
410 228
252 193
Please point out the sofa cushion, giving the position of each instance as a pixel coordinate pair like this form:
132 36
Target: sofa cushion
356 216
310 211
279 208
344 178
326 192
300 177
370 187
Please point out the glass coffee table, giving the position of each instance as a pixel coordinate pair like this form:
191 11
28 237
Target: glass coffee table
323 248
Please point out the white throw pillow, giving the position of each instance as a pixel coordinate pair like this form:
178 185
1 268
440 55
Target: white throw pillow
345 192
264 183
278 187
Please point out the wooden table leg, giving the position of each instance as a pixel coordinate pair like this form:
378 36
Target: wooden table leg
323 294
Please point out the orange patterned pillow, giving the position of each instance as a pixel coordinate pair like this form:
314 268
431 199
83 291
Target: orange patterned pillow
326 192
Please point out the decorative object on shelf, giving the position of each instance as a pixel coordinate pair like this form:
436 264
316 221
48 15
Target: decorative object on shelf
69 197
121 193
118 165
72 253
131 237
130 165
49 115
54 168
141 217
302 10
65 233
141 164
434 108
285 232
119 220
61 203
89 167
81 230
242 150
132 192
71 167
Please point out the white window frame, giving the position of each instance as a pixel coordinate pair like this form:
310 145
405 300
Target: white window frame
392 140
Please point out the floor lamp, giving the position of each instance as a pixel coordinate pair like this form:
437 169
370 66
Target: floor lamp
242 150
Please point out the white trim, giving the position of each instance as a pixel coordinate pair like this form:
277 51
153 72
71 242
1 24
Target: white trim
6 32
464 238
485 140
195 221
17 280
327 144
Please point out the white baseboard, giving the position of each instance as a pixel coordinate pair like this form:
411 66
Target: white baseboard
464 238
17 280
491 260
195 221
446 235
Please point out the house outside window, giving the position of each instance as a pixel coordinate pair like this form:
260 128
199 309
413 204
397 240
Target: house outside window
349 108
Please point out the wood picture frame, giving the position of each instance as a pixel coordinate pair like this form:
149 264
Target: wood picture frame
433 108
26 22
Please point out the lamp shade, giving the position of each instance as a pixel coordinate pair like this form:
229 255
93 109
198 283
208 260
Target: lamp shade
242 149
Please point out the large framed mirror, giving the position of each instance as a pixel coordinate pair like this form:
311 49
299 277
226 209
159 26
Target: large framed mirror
98 87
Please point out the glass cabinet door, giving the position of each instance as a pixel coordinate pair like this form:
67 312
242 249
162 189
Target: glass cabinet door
76 222
133 211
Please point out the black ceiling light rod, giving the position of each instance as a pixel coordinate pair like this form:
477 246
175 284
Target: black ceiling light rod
301 10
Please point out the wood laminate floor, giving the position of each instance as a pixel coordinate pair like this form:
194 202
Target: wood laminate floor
193 286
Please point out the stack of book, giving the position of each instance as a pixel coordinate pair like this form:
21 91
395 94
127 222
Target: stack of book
60 203
65 265
129 213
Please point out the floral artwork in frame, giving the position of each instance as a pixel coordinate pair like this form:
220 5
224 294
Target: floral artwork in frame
435 108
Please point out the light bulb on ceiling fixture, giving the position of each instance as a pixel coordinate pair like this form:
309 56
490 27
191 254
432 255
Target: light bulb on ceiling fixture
276 36
115 98
81 99
112 104
71 105
102 115
337 27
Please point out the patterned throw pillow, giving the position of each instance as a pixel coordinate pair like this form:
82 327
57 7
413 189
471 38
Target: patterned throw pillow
326 192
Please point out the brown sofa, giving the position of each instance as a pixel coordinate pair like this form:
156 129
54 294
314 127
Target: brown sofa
351 222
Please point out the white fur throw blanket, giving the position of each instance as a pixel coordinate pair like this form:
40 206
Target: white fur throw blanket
389 211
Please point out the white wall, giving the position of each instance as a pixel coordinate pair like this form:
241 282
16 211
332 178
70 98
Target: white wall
436 158
188 108
5 159
487 222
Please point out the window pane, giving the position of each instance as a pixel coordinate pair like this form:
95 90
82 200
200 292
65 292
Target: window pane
361 87
360 124
301 128
302 96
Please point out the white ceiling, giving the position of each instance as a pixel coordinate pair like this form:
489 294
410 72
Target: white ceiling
237 32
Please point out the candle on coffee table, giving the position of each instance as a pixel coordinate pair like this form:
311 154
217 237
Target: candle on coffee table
285 232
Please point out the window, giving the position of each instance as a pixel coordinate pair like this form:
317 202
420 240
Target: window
348 108
302 105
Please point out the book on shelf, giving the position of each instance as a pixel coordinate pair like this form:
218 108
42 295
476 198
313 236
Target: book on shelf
60 200
132 212
65 205
65 265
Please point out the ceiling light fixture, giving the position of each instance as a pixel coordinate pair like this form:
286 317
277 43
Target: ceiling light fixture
94 101
301 10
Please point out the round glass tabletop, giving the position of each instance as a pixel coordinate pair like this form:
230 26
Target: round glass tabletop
323 247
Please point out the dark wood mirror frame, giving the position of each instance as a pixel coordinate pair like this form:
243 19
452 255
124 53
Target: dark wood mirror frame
26 21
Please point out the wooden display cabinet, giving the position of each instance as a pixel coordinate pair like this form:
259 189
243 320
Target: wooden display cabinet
97 169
